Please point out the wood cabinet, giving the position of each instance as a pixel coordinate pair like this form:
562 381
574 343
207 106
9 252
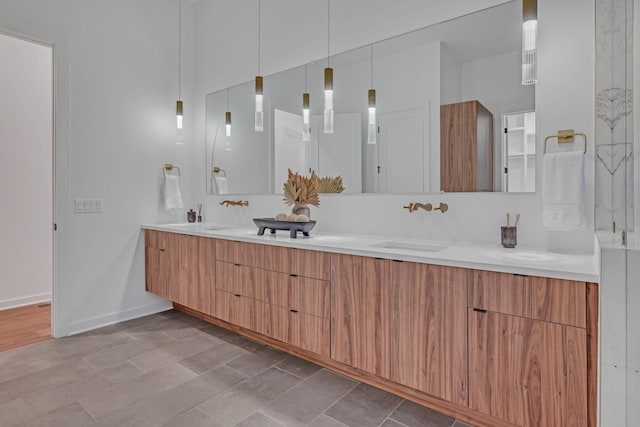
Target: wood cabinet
360 313
291 306
466 147
181 268
528 349
428 329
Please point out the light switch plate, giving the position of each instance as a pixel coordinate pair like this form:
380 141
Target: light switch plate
89 205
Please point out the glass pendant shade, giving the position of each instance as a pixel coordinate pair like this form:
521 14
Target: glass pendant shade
529 36
372 130
227 117
259 122
328 100
306 118
179 122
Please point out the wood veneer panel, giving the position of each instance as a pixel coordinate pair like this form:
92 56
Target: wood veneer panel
276 258
575 394
592 354
273 288
201 296
429 329
314 264
236 309
228 251
309 333
310 296
458 148
459 412
553 300
181 278
360 313
272 321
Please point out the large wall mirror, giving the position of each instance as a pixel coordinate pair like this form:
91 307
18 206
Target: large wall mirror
452 115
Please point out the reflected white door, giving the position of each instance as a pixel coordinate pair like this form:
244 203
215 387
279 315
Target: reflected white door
291 152
340 153
402 153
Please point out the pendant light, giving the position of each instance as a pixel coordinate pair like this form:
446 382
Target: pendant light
306 110
259 122
227 118
372 131
328 80
529 36
179 101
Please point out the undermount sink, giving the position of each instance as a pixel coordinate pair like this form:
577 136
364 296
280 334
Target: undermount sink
213 228
410 246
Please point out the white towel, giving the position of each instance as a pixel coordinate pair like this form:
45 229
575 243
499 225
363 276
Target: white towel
222 184
563 191
172 193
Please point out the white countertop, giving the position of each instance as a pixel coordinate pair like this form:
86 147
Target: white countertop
533 262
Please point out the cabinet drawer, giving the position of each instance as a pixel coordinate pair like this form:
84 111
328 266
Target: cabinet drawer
310 296
236 279
309 333
272 287
552 300
235 309
155 239
239 252
272 321
312 264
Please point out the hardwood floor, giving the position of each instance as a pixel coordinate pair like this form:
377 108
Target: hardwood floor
25 325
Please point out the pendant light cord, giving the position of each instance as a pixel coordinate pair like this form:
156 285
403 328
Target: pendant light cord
179 46
371 66
227 99
328 32
305 78
259 34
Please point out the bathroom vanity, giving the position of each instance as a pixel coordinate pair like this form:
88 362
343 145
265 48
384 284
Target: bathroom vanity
491 336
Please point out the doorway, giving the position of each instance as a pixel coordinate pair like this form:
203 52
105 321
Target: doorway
519 152
26 189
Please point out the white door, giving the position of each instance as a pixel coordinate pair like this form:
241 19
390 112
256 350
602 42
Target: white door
340 153
291 152
402 157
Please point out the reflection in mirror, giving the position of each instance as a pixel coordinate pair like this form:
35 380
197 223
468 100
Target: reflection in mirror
452 115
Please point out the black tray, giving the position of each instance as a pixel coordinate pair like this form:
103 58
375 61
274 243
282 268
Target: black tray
292 226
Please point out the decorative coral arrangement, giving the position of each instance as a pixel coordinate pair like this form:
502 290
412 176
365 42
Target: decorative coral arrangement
300 189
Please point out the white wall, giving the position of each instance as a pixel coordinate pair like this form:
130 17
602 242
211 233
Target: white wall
116 87
26 172
564 99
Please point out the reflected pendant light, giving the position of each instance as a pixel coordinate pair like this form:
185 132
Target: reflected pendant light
259 122
227 118
529 36
179 101
306 110
372 129
328 80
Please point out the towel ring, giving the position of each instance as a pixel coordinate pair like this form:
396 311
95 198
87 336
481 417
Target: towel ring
566 136
168 167
216 170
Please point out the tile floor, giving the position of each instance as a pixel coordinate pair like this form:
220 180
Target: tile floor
170 369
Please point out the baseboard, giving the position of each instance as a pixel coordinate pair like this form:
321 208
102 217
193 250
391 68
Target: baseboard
21 302
121 316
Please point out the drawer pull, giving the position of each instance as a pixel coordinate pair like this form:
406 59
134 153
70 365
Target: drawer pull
520 275
237 265
397 260
293 311
237 295
293 275
163 250
479 310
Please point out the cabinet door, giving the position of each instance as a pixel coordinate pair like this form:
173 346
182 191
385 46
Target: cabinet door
527 372
156 264
360 313
180 249
429 329
203 264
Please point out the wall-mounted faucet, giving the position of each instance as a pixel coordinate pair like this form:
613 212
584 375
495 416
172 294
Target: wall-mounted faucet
414 206
228 203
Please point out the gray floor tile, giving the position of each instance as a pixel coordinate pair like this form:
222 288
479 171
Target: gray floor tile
58 397
120 373
15 412
298 367
78 346
211 358
325 421
304 402
364 406
189 394
173 351
120 353
50 377
461 424
414 415
253 363
233 338
390 423
258 420
131 416
128 393
233 405
193 418
29 364
72 415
